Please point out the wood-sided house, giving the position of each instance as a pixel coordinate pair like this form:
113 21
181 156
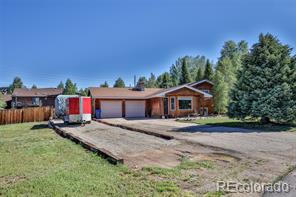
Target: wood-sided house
24 97
193 98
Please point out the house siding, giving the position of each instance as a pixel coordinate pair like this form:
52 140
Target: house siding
28 101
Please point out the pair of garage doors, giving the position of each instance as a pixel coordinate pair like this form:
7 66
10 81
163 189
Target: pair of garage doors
113 109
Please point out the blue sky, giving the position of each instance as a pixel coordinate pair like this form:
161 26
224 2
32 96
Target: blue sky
91 41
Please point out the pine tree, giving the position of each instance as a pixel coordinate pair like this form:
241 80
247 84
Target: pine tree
199 74
2 102
142 80
166 80
174 74
119 83
208 71
185 76
34 86
83 92
17 83
104 85
151 83
266 83
61 85
70 88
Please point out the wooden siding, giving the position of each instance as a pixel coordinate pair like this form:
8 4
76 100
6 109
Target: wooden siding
34 114
204 86
28 101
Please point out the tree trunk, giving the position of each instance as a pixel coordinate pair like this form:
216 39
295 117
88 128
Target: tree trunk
265 120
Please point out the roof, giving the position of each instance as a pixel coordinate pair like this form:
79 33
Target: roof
199 82
163 93
38 92
7 97
123 93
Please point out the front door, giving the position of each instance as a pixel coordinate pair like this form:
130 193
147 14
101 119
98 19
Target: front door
166 106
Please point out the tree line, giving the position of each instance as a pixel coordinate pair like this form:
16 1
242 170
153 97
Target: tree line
257 82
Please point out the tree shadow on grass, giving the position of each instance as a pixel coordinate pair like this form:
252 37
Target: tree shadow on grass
39 126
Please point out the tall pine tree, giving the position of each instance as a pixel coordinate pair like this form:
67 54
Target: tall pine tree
17 83
119 83
185 76
70 88
199 74
266 83
208 71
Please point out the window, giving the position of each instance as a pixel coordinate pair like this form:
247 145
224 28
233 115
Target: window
172 103
206 91
35 101
185 103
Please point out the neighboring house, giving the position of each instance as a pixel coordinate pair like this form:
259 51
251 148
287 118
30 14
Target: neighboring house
193 98
23 97
4 90
7 98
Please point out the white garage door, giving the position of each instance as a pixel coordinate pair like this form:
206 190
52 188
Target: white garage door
111 109
134 109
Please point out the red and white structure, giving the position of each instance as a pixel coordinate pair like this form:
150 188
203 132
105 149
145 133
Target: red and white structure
78 109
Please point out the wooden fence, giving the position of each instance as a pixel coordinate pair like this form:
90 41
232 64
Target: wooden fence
34 114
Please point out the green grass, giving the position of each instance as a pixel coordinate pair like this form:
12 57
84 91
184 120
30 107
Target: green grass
37 162
228 122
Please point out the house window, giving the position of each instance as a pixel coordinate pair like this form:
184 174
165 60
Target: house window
206 91
185 103
35 101
172 103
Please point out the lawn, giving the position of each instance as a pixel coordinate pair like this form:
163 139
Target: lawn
228 122
35 161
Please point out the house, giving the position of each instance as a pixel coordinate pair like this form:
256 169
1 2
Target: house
184 100
4 90
23 97
7 99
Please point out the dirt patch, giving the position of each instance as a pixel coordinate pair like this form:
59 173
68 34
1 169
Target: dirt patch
9 180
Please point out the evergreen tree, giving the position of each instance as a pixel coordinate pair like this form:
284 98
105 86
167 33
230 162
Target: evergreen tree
2 102
17 83
185 76
34 86
174 74
104 85
208 71
70 88
151 83
199 74
119 83
83 92
142 80
266 83
166 81
61 85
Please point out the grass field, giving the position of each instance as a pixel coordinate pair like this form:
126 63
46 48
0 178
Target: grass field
228 122
37 162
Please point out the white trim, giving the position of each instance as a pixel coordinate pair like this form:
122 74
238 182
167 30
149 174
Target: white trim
185 98
172 97
202 81
162 94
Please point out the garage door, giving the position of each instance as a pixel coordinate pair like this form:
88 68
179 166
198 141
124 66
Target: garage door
134 109
111 109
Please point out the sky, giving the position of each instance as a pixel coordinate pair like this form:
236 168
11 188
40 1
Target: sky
92 41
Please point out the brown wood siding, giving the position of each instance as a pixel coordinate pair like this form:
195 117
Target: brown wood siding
156 107
28 101
204 86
